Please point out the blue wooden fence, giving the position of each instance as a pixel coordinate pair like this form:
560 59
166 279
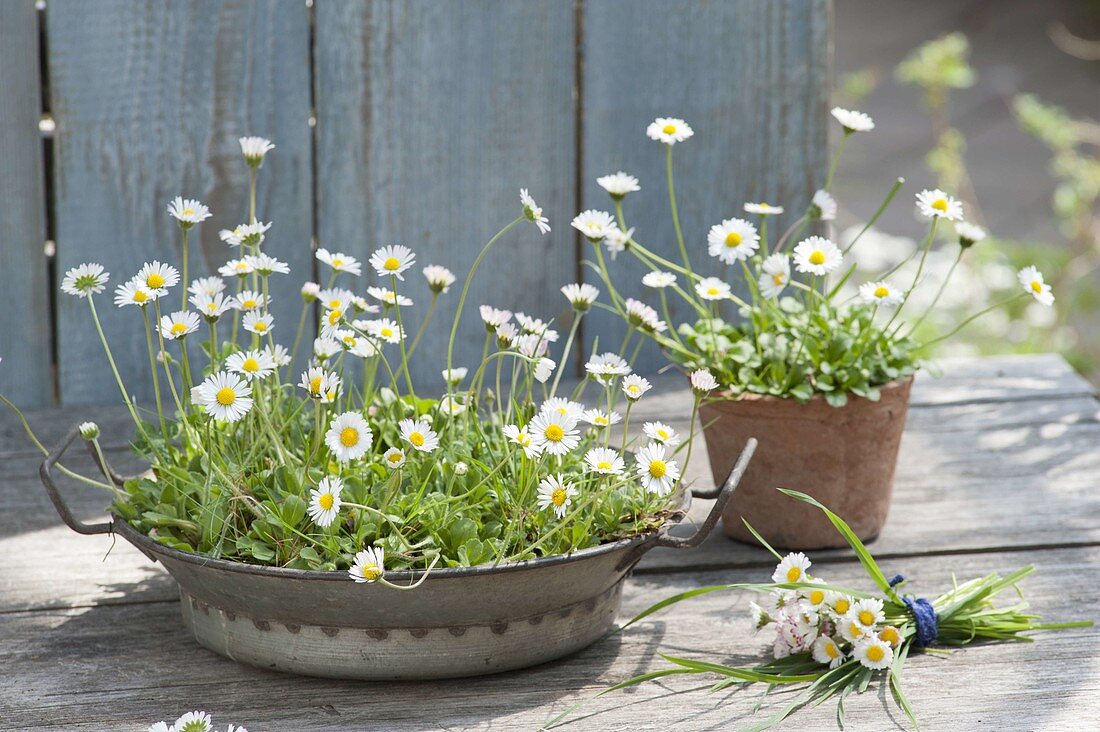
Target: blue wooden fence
410 122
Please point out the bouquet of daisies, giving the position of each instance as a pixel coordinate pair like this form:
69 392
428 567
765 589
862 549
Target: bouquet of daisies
334 459
785 313
826 640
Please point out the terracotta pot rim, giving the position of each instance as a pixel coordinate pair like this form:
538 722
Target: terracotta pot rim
727 396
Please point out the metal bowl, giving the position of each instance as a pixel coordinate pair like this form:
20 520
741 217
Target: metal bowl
460 622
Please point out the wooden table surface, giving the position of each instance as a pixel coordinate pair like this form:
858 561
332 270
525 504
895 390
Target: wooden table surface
999 468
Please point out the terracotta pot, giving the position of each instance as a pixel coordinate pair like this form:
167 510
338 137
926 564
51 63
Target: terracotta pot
844 457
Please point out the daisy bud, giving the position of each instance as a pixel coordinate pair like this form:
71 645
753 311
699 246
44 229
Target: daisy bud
461 468
454 377
89 430
543 369
969 234
254 149
310 291
703 382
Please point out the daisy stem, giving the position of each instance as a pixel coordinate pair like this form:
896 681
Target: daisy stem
797 226
626 423
565 353
252 194
836 159
213 343
939 293
183 304
668 318
401 342
167 371
156 379
314 440
675 210
114 368
916 278
424 323
299 331
882 207
188 382
973 317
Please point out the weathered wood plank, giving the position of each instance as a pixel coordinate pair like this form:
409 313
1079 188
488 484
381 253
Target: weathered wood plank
431 117
25 337
114 659
150 99
757 105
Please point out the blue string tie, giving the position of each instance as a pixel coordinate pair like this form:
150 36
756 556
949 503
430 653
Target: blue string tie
924 617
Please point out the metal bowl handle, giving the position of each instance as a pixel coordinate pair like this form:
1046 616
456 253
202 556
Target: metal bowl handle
720 499
55 496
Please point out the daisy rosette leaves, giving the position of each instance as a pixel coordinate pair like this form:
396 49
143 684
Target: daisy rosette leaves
826 641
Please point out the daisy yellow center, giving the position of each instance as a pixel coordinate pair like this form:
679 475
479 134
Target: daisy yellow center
155 280
733 239
940 204
831 651
225 396
634 389
371 572
350 340
841 606
392 263
604 465
523 439
658 469
817 596
337 263
387 332
249 303
817 257
668 129
794 574
395 457
417 438
890 636
140 296
334 317
334 304
326 501
251 365
555 433
187 212
315 384
211 307
1036 286
875 654
663 434
242 266
349 437
260 326
866 617
778 279
178 328
881 291
856 631
601 420
712 290
562 411
558 497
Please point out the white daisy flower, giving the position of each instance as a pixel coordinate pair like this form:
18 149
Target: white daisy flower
891 635
969 234
606 366
506 334
853 121
763 209
187 211
324 501
532 211
544 369
134 293
160 727
554 433
254 149
880 293
594 224
246 300
193 722
394 458
310 291
385 329
389 297
792 568
225 396
248 235
662 433
361 305
439 278
531 345
348 437
702 382
732 240
454 377
326 348
618 184
256 365
157 276
656 471
873 653
557 494
825 650
392 260
600 418
605 461
775 275
817 255
340 262
850 629
658 280
320 384
580 296
355 345
236 268
640 315
562 407
1034 284
669 130
635 386
267 265
838 604
815 596
89 430
278 354
335 298
823 206
712 288
207 286
179 324
616 240
419 434
760 617
494 318
369 565
521 437
258 323
213 306
935 204
867 612
451 405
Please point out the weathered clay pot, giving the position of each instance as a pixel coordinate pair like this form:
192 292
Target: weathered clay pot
842 456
